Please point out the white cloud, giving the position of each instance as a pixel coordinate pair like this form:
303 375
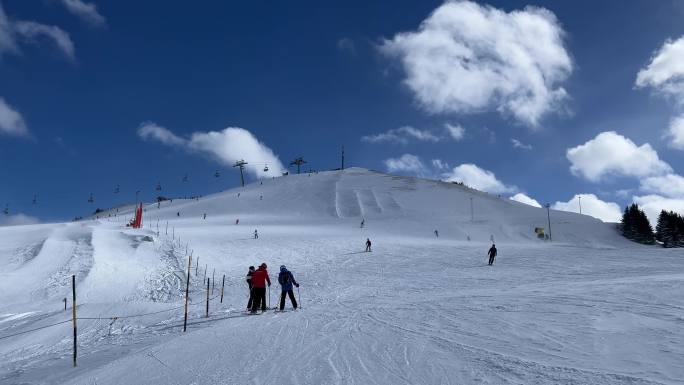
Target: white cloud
150 130
592 206
676 132
478 178
440 164
86 11
518 144
17 220
11 121
653 204
665 72
7 43
227 146
401 135
455 130
346 45
671 185
612 154
522 198
406 163
31 31
467 58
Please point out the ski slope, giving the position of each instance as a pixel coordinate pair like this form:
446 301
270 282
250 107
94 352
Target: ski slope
587 308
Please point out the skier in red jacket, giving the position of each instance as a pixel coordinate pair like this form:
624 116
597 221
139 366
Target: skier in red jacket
259 280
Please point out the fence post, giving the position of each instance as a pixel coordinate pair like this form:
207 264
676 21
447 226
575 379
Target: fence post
197 267
213 281
223 284
187 289
205 272
65 302
207 315
73 312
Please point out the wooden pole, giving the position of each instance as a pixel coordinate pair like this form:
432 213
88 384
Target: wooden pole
187 290
73 312
223 284
197 267
213 281
205 272
207 314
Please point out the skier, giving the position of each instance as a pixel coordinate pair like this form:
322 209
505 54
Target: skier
256 235
368 245
259 280
178 214
249 284
436 233
205 216
363 222
286 280
492 254
237 221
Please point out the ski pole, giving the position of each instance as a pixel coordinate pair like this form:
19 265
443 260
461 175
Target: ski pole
269 296
299 297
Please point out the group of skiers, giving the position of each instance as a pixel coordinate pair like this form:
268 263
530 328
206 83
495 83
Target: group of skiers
258 279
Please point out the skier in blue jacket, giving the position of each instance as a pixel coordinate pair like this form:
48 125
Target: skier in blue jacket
286 280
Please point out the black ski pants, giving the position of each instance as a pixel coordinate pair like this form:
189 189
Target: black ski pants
491 259
258 298
290 293
251 297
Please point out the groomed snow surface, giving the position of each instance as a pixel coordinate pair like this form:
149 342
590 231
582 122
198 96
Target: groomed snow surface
587 308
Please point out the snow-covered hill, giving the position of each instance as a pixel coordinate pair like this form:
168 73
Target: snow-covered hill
588 307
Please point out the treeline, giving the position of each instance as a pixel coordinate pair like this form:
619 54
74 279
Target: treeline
636 227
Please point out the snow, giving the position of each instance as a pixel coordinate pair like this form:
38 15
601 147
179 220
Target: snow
589 307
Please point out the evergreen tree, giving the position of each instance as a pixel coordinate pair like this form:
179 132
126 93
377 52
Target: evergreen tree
670 229
635 225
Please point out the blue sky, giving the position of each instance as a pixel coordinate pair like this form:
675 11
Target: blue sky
99 94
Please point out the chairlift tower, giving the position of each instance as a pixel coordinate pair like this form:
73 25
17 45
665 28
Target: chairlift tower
299 162
241 164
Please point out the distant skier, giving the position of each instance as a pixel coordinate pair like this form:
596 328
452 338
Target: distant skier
259 280
238 195
363 222
492 254
256 235
205 216
436 233
178 214
249 284
368 245
286 280
237 221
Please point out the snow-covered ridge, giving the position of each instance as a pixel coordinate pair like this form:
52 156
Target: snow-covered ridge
589 307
